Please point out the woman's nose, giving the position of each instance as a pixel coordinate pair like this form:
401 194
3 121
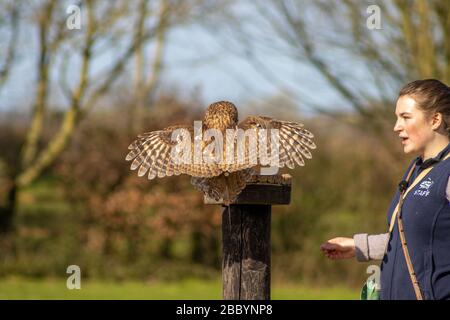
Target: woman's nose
398 127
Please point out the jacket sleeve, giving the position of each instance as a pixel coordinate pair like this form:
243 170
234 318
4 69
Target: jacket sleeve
370 247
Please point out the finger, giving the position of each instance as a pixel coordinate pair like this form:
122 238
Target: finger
328 251
332 255
329 246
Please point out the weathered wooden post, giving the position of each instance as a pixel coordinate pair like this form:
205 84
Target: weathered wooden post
246 237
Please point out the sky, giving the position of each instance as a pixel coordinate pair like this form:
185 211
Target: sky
228 75
195 58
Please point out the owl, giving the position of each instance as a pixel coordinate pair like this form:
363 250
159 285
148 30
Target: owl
234 150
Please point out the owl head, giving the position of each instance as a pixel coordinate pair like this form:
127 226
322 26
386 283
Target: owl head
221 115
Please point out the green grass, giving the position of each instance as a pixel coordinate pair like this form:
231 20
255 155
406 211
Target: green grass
20 288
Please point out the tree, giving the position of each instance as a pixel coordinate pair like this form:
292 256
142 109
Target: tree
363 66
117 30
9 19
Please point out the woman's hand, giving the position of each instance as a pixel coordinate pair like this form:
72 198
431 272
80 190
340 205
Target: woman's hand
339 248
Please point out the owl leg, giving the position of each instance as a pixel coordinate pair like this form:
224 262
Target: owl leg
225 187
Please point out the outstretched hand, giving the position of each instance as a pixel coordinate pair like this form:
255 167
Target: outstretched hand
339 248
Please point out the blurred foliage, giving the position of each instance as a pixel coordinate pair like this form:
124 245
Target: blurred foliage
89 209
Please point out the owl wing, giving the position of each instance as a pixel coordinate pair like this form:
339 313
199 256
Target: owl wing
153 152
295 143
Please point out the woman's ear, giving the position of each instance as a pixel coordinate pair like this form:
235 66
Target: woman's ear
436 120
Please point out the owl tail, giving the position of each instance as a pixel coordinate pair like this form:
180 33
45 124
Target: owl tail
223 188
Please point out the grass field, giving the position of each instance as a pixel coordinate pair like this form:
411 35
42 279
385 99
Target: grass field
19 288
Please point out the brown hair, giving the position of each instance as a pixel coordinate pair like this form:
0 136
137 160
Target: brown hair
431 96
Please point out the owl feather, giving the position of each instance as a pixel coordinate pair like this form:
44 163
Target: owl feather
152 152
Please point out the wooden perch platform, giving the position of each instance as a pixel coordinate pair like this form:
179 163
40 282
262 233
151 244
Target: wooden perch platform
263 190
246 237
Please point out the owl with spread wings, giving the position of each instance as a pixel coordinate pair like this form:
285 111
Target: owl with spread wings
153 152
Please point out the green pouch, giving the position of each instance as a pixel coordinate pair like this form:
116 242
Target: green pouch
370 291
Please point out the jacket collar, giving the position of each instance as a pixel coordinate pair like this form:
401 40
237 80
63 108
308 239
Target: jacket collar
429 162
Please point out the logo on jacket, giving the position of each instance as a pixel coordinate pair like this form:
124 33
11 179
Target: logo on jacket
424 188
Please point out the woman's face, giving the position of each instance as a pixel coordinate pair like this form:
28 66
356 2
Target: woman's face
412 126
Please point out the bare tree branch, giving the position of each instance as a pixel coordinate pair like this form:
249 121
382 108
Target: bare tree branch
156 65
11 46
61 138
34 133
411 44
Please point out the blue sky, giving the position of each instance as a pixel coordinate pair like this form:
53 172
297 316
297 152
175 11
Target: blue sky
196 58
227 75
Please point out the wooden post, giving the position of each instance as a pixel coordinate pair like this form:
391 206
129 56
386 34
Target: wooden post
246 237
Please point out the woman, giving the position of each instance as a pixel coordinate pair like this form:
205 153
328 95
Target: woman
423 125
